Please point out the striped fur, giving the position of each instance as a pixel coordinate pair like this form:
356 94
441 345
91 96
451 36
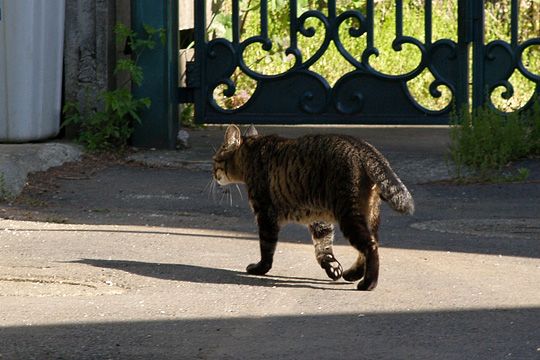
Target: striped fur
317 180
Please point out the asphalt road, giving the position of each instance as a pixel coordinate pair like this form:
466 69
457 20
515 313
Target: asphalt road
115 260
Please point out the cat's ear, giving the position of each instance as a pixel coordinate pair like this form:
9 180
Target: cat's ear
251 131
233 136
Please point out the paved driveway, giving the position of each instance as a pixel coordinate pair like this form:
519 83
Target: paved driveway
122 261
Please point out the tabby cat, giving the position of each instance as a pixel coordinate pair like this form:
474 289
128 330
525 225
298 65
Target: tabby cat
316 180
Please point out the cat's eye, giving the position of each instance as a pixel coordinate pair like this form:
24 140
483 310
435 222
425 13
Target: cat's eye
223 155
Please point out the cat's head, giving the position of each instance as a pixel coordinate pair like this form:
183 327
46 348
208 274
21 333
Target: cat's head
227 167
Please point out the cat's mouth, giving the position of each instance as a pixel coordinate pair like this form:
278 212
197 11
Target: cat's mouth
221 180
224 189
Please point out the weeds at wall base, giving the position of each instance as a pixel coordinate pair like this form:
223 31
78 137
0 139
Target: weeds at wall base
485 144
5 195
107 122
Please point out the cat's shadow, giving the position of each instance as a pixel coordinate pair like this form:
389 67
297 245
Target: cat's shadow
208 275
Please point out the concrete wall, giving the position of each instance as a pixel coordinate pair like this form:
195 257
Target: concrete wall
90 48
90 51
186 14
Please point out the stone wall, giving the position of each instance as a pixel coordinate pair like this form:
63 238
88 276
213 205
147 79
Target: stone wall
89 53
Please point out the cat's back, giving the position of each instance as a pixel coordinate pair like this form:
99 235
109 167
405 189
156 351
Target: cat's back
318 150
308 176
312 161
330 156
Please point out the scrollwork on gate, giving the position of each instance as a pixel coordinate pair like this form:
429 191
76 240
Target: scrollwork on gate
502 60
366 94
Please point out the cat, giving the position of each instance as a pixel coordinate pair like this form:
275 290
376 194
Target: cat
319 181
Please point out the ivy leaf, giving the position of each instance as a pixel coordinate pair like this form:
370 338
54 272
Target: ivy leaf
122 33
163 36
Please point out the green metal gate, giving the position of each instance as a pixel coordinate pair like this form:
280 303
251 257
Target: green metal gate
365 94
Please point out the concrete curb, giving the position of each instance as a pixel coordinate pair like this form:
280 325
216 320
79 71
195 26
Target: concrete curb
171 159
417 154
410 168
19 160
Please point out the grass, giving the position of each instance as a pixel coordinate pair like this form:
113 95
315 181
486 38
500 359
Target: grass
4 192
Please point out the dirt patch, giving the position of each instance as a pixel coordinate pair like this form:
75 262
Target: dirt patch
48 181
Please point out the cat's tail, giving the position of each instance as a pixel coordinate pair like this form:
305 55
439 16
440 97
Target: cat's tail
392 190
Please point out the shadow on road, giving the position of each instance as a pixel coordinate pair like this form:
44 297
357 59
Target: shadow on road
468 334
177 198
207 275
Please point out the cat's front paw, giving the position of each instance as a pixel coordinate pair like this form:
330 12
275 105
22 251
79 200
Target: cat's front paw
258 268
333 268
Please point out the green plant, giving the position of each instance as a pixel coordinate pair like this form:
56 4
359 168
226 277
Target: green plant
187 117
4 192
485 143
106 123
535 128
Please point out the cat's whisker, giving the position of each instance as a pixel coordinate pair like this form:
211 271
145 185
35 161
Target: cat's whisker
226 193
223 194
239 192
208 186
214 185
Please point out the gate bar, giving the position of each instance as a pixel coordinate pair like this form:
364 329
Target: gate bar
514 24
200 52
465 22
479 92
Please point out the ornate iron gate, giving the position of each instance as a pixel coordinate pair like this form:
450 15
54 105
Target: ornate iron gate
364 95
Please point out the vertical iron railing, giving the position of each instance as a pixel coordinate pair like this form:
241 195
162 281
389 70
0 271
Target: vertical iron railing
364 95
299 95
477 38
465 25
496 61
197 69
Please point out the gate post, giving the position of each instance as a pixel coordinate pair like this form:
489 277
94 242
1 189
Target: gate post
159 125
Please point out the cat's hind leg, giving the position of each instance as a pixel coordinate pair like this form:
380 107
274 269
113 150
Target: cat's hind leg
366 267
322 235
357 270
